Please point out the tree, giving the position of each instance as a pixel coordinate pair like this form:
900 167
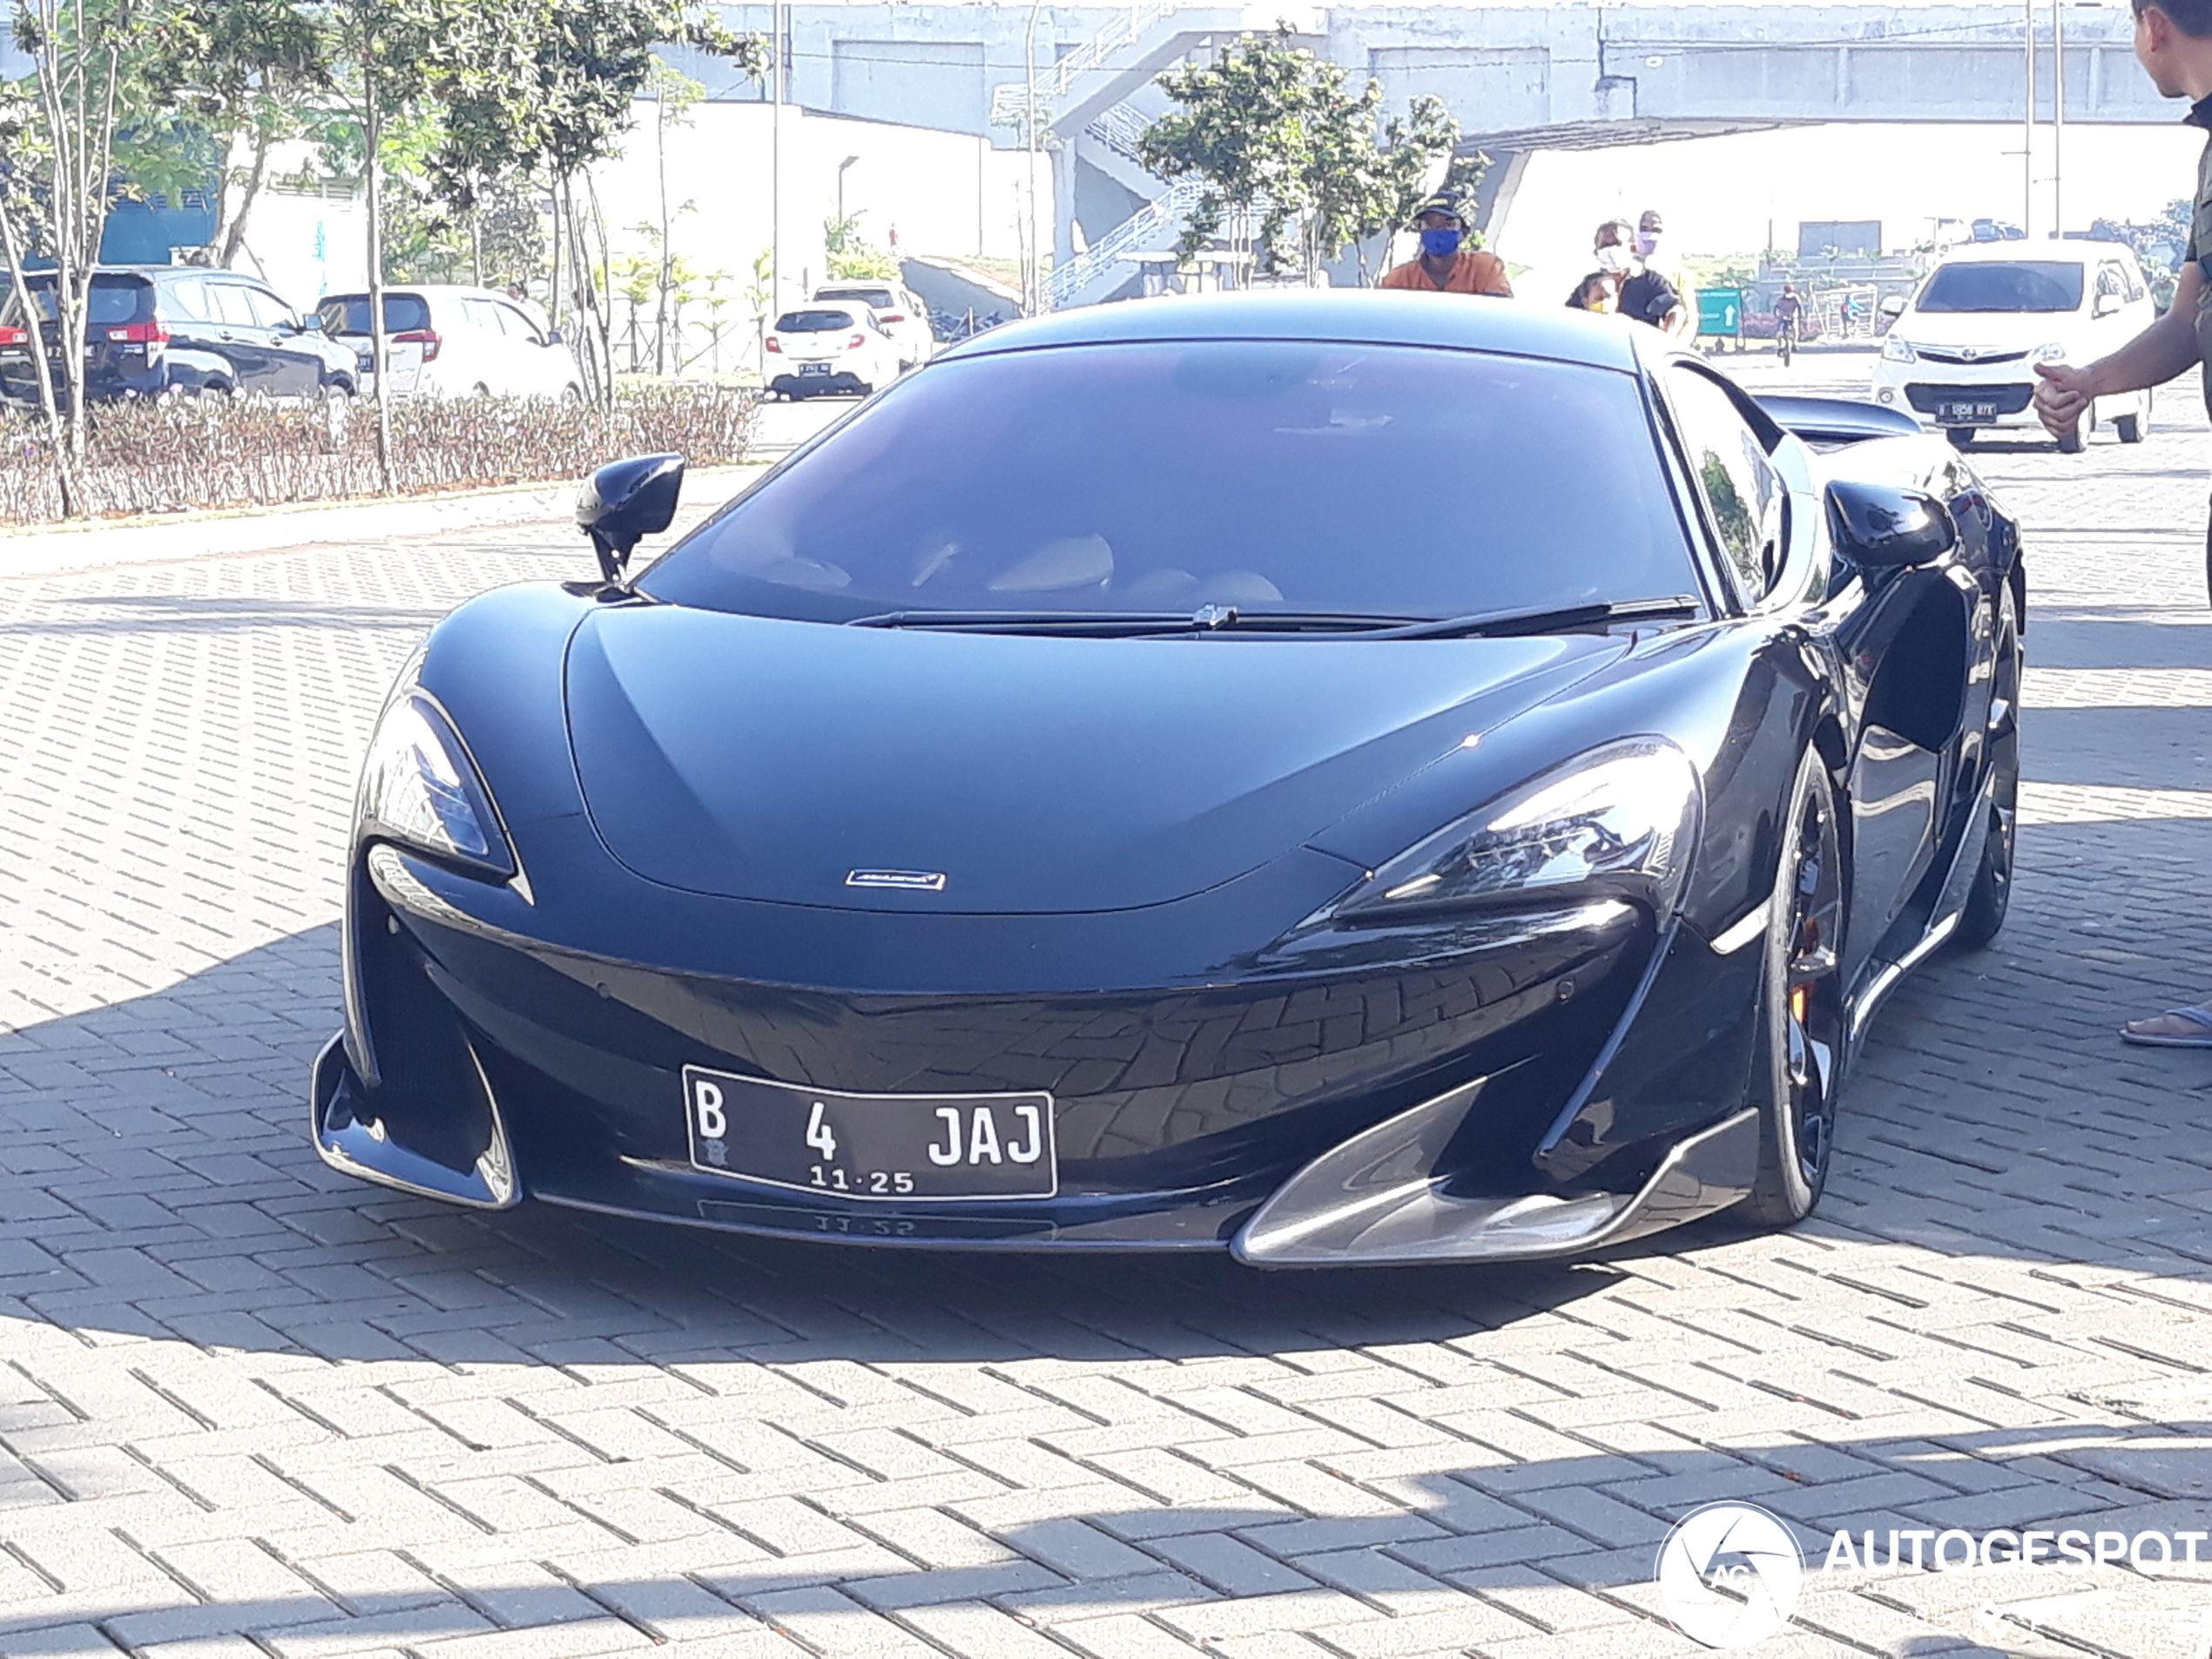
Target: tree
559 98
60 182
1275 136
243 72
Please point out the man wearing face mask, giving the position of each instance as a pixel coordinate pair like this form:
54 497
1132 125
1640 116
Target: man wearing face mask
1445 267
1651 231
1644 293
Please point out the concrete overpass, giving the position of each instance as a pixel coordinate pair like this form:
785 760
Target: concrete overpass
1518 78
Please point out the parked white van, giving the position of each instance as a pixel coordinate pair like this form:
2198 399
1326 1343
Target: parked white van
450 340
1961 353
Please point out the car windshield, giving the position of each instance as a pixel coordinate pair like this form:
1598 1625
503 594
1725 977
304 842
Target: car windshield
2005 285
880 297
813 322
1355 479
114 298
347 314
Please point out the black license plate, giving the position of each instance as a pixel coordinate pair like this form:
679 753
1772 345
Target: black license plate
1963 414
892 1148
813 368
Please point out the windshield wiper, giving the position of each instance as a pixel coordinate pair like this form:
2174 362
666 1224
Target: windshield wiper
1560 620
1206 619
1216 619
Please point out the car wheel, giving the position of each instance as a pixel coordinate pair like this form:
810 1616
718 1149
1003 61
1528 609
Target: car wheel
572 392
1802 1035
1962 437
2130 428
1991 893
337 392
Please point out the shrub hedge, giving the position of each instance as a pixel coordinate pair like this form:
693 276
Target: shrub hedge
171 457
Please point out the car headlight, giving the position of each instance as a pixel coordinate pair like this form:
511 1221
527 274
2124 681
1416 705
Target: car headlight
420 788
1621 820
2052 351
1894 350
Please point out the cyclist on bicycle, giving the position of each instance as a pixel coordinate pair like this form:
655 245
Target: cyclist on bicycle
1789 318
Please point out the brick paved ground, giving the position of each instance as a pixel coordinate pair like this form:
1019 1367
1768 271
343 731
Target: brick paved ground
248 1409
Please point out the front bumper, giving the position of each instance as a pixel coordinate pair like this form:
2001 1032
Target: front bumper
1365 1104
2005 381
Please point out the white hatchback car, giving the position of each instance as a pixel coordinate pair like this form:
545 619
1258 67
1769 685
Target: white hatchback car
827 348
1960 354
904 318
450 340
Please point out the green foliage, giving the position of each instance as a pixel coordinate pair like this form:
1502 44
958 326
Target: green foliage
1273 131
852 258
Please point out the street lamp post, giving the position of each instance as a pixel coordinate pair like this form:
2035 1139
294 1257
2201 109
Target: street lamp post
841 167
1033 275
2027 132
2058 118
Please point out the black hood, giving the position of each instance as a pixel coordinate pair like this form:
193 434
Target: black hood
759 758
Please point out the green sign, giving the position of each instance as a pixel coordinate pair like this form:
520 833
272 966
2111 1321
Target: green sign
1720 311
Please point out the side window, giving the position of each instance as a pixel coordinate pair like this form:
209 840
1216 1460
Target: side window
517 326
2109 282
1743 493
269 311
228 301
185 298
481 316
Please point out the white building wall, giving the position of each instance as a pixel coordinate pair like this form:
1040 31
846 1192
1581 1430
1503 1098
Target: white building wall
943 193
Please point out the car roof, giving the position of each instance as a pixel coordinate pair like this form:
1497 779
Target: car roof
1458 322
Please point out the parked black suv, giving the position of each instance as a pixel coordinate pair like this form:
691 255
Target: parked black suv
156 329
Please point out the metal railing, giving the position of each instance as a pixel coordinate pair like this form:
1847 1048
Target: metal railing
1071 279
1093 53
1118 129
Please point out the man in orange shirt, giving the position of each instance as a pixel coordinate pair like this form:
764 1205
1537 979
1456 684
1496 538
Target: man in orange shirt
1444 265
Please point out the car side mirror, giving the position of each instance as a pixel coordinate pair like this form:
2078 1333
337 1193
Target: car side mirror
1893 306
1880 528
625 501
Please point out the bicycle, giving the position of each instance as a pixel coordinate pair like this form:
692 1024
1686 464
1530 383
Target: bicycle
1786 341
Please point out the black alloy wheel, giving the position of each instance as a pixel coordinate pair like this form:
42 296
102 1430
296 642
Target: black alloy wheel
1991 893
1803 1040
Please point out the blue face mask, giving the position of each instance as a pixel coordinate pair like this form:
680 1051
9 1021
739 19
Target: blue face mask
1441 244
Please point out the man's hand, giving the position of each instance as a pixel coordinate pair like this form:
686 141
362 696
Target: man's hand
2062 395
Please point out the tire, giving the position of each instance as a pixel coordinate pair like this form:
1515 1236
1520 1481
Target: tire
1803 1039
1991 893
2074 442
337 392
1962 437
2130 428
480 390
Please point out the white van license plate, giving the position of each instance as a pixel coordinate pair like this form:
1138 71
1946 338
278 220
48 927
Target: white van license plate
1965 413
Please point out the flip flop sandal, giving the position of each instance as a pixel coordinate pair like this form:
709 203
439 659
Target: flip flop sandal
2201 1039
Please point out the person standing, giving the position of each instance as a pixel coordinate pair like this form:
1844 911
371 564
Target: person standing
1644 293
1445 267
2173 45
1651 231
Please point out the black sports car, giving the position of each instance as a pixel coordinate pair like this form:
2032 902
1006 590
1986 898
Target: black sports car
1342 777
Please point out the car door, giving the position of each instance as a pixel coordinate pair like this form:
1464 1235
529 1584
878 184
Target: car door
239 335
1901 640
295 364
